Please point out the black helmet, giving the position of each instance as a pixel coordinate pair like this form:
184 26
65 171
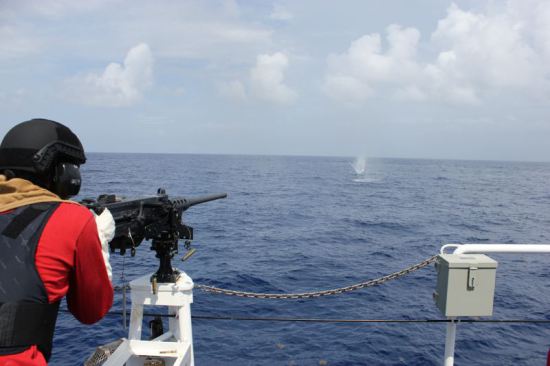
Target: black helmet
47 151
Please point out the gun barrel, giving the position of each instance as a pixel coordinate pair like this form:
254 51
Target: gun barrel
188 202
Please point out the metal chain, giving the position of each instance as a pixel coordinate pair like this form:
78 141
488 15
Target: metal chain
308 295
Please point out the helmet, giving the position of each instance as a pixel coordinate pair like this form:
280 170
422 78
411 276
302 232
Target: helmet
47 151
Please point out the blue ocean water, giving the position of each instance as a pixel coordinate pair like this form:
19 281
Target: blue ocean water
295 224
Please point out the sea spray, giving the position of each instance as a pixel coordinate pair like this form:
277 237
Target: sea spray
360 165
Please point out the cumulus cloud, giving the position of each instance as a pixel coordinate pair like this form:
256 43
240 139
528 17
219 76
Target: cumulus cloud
119 84
494 50
347 89
355 75
266 82
267 79
477 54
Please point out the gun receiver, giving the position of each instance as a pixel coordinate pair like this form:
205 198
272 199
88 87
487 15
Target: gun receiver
156 218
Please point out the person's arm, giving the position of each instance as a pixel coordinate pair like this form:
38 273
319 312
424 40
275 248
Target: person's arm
90 293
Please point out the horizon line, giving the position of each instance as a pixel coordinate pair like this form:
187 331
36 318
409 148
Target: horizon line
322 156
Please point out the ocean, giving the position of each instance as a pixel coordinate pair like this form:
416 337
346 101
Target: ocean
297 224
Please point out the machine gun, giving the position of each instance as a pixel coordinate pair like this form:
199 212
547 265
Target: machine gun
156 218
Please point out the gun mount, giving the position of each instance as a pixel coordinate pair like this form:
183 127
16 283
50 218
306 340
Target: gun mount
156 218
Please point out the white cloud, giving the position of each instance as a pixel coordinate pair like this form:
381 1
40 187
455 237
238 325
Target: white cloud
347 89
477 55
365 65
492 51
118 85
366 59
266 82
267 79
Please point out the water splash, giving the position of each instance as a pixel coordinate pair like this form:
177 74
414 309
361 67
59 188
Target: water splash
359 165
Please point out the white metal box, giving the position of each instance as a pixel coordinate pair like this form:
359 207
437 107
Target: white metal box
465 284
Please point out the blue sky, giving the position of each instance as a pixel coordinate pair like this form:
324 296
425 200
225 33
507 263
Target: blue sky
418 79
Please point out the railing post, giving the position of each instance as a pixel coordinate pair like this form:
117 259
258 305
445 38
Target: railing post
450 340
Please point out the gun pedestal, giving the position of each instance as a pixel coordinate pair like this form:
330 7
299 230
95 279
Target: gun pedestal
165 252
175 346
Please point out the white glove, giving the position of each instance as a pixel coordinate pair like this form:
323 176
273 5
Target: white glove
106 232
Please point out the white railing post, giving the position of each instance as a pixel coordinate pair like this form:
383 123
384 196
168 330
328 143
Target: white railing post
450 340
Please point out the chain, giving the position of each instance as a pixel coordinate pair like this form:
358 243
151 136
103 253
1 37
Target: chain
308 295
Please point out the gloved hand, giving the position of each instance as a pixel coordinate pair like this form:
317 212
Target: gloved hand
106 232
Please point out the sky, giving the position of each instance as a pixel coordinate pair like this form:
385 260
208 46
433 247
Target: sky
410 79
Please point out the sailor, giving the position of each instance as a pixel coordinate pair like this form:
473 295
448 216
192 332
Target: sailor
49 247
